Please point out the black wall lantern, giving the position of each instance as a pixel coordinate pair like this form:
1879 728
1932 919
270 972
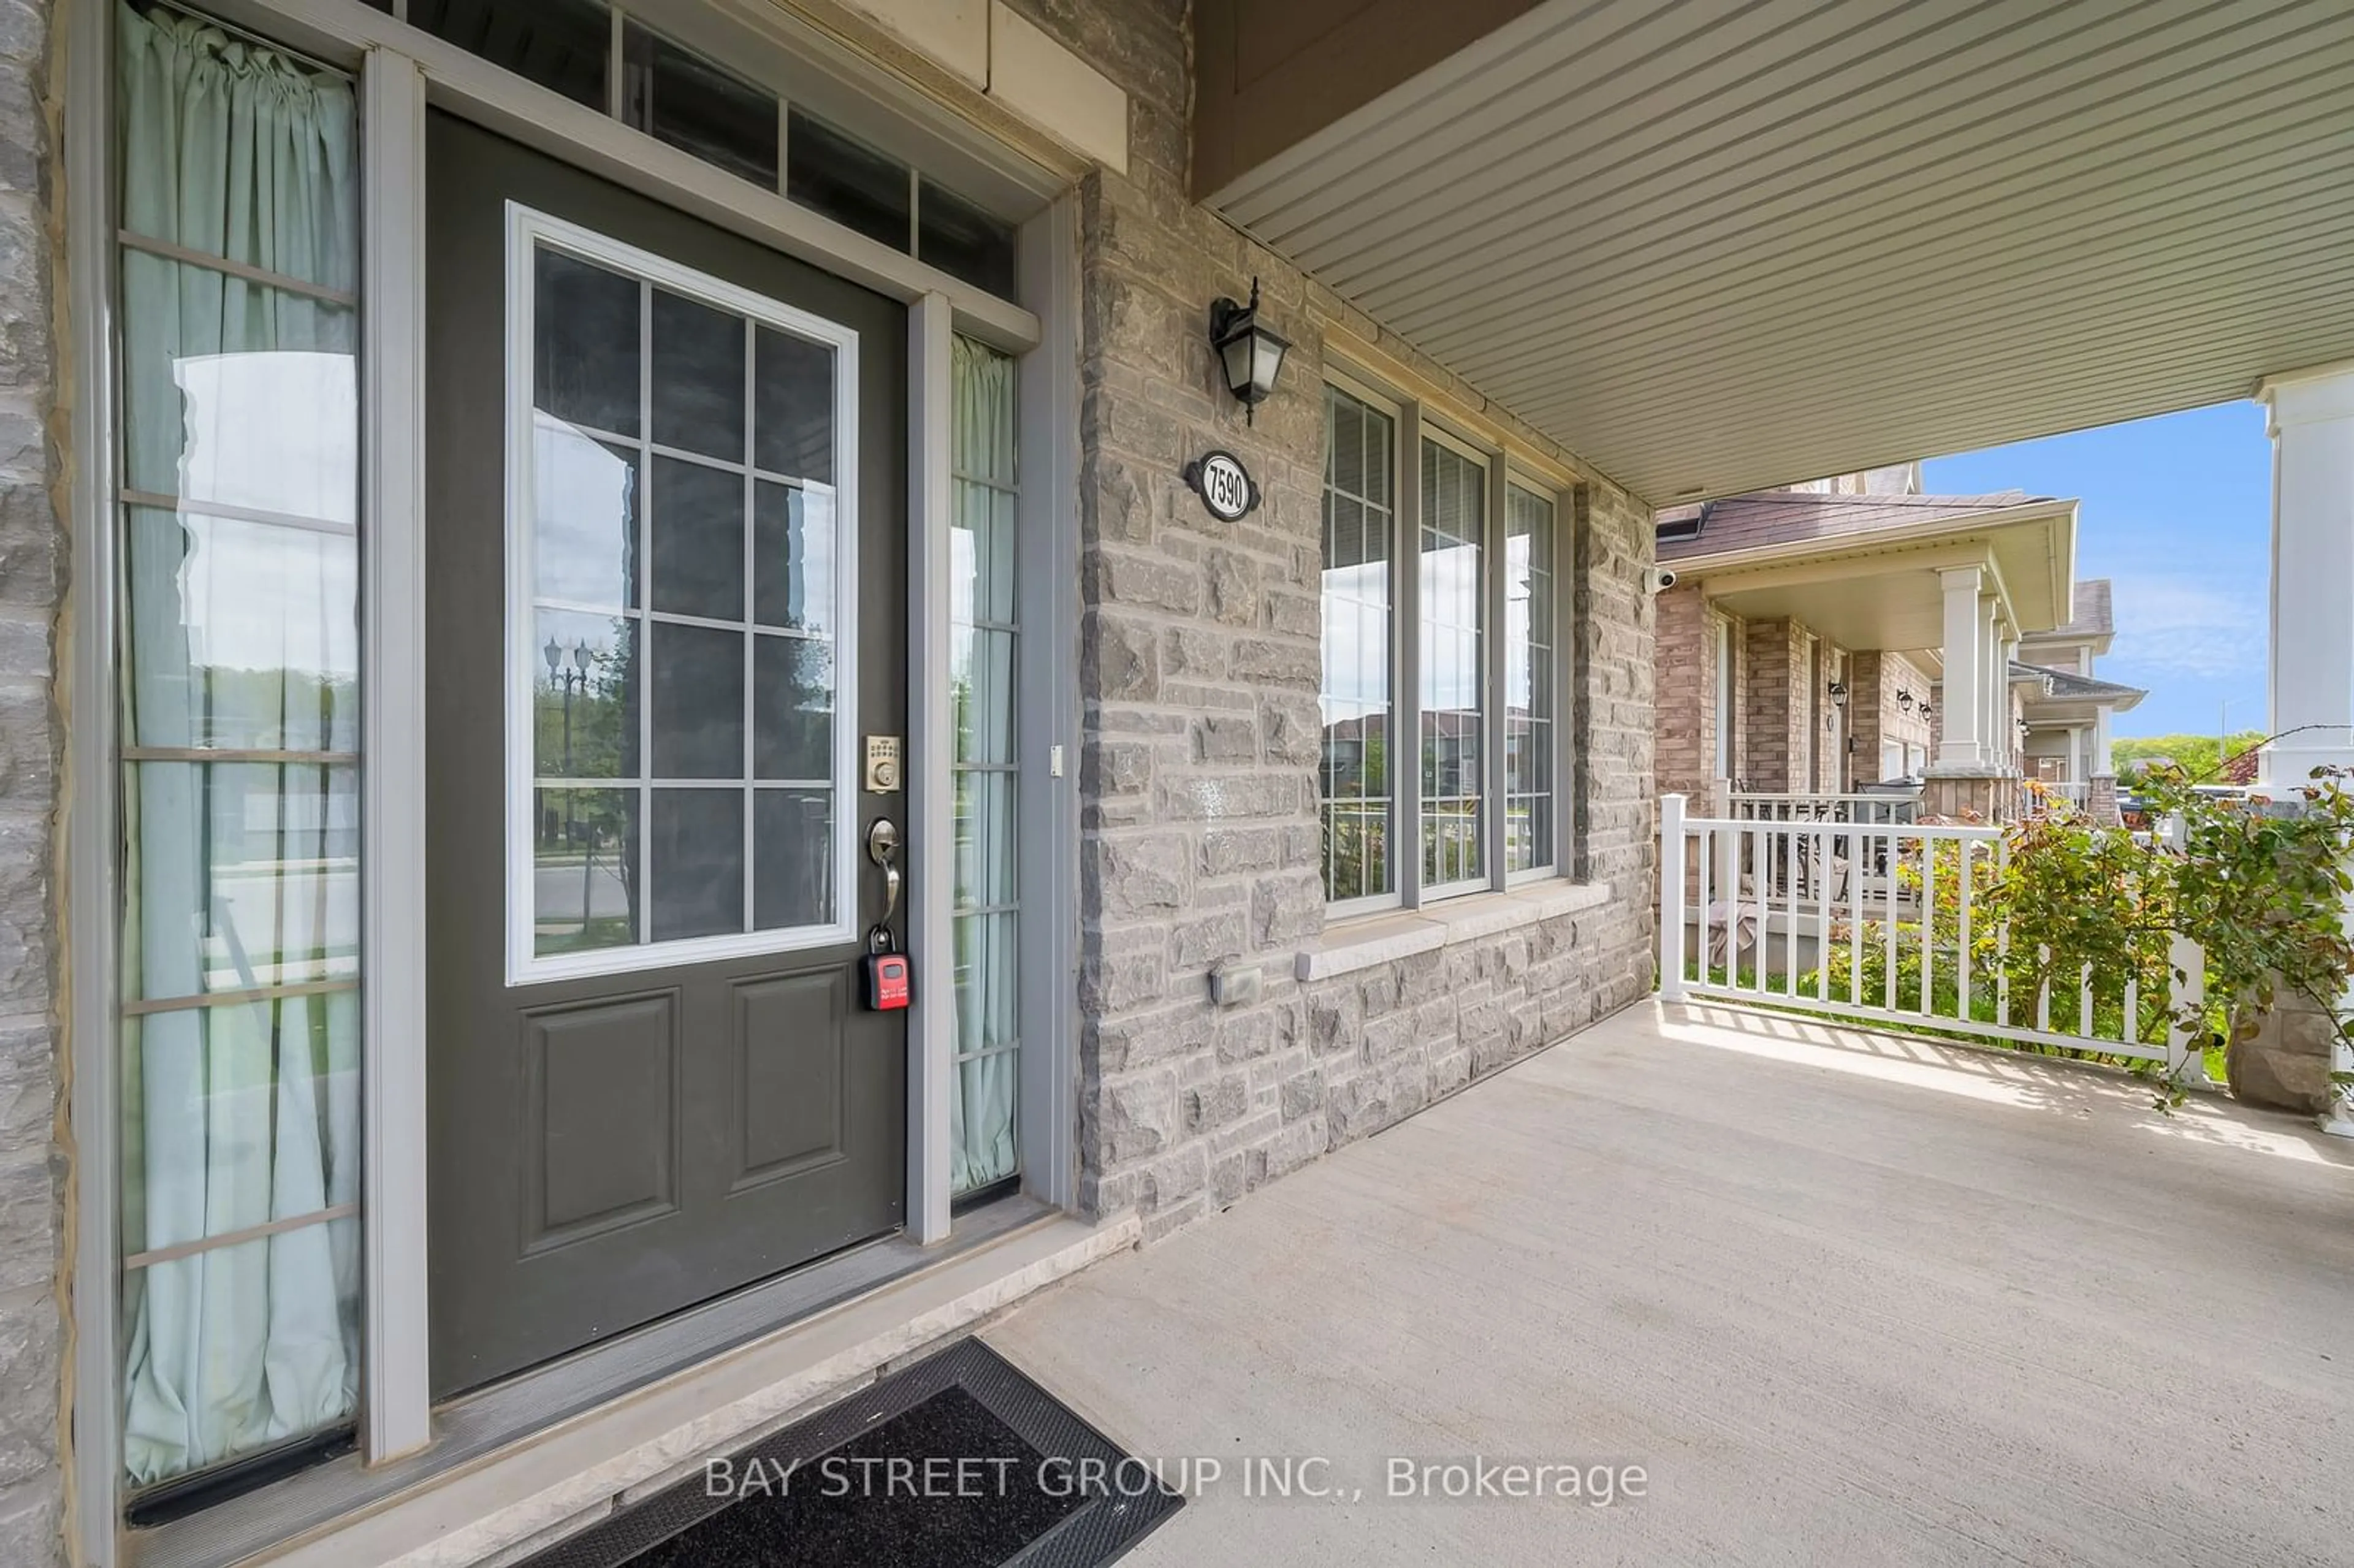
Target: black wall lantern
1252 355
1838 694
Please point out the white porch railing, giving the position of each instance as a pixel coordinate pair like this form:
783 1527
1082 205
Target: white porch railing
1883 806
2057 797
1881 922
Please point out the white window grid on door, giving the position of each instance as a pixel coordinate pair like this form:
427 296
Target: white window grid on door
528 232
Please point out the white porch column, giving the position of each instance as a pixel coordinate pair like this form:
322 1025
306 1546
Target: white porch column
1991 736
1961 744
2104 764
2006 728
2312 426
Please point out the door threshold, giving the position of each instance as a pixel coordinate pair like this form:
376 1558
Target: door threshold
556 1449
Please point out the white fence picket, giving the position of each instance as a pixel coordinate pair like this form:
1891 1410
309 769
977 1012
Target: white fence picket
1839 883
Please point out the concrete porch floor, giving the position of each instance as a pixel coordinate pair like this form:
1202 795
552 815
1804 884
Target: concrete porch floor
1847 1298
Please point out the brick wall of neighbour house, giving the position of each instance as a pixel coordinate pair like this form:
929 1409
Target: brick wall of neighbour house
1878 717
1684 728
1199 670
33 561
1773 705
1782 670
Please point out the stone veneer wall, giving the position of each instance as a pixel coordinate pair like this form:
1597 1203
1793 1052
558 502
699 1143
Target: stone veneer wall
1199 676
32 560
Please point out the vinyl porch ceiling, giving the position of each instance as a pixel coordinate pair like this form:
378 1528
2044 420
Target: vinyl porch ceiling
1716 246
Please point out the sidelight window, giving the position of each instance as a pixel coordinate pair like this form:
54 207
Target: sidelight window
983 660
239 640
681 670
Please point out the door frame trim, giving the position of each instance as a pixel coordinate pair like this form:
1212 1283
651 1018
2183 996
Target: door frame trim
403 71
395 1414
931 804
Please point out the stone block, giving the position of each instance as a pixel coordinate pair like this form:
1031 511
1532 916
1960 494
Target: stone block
1138 1115
1220 737
1138 878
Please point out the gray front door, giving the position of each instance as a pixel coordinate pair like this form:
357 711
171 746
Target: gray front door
666 591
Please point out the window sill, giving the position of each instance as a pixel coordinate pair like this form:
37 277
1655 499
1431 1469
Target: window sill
1362 941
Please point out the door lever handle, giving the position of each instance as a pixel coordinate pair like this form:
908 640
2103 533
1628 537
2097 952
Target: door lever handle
883 849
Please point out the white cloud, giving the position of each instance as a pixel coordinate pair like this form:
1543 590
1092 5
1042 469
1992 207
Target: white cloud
2184 626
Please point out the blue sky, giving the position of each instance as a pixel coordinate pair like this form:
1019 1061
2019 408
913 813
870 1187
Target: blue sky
2178 513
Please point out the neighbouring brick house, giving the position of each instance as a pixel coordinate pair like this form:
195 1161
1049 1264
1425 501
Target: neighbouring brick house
1802 649
739 455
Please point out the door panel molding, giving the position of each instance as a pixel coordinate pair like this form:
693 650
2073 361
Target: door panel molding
629 1024
820 1107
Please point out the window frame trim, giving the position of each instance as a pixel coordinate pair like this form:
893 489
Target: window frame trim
1560 486
527 229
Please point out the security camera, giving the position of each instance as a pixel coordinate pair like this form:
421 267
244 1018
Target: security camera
1660 580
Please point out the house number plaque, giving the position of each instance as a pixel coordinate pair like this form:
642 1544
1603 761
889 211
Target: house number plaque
1224 485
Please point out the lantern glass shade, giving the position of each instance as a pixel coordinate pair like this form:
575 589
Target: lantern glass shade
1253 357
1838 694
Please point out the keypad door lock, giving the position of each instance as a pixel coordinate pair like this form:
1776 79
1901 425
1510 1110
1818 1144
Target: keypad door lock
883 774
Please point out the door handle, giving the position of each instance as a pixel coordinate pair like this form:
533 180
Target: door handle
883 849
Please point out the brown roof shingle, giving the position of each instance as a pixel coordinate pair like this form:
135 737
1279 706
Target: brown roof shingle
1789 517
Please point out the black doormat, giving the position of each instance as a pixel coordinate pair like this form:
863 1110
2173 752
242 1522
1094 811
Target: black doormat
959 1461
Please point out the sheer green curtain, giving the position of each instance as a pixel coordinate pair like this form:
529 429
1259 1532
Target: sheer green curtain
240 657
981 651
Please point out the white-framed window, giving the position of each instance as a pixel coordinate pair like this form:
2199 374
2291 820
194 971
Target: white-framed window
682 565
1461 660
1531 730
1359 542
1452 753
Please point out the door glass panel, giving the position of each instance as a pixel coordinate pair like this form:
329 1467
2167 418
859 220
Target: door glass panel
689 571
698 861
698 702
792 679
586 340
794 391
585 717
587 515
584 869
698 540
792 873
698 391
792 557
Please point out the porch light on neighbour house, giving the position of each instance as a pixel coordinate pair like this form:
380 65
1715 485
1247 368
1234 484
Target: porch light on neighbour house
1251 354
